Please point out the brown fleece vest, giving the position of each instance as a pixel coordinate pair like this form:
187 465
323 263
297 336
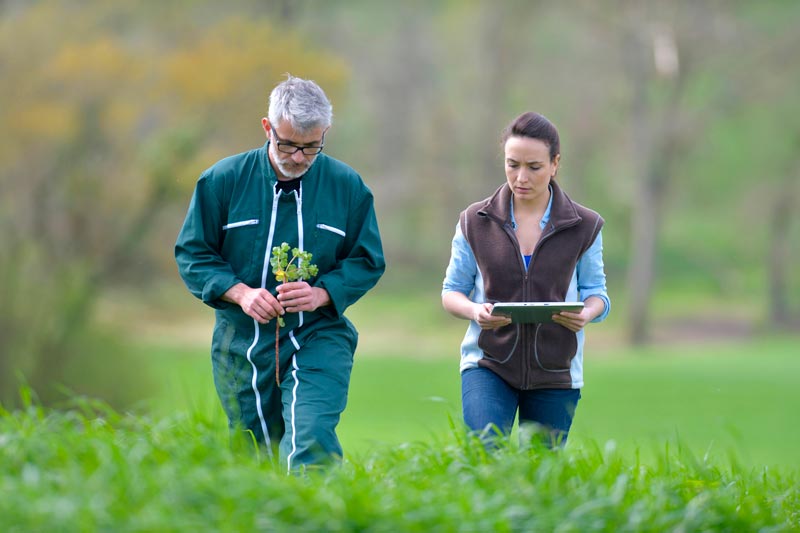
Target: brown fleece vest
529 356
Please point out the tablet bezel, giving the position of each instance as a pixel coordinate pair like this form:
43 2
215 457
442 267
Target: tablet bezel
534 312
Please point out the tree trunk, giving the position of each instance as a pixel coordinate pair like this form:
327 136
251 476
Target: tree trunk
780 254
643 219
655 147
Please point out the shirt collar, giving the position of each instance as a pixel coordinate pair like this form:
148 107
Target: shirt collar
545 216
288 186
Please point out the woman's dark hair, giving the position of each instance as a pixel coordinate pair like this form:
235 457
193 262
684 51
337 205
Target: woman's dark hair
534 126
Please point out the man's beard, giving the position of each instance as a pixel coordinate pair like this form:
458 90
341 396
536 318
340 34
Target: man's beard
289 168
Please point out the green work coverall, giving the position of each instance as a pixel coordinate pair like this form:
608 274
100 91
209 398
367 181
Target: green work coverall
234 219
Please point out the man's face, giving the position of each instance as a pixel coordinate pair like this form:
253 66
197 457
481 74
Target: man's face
284 139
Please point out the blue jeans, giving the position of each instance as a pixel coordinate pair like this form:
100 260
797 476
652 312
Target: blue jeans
490 405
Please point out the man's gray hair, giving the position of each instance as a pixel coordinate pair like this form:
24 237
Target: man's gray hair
301 103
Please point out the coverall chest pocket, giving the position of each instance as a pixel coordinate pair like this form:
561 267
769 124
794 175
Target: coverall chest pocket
240 245
329 237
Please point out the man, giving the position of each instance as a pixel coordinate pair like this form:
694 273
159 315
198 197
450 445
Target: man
243 206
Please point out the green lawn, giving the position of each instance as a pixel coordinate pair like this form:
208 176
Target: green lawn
683 437
739 399
737 396
91 469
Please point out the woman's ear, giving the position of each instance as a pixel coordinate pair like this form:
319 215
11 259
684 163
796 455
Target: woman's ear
556 161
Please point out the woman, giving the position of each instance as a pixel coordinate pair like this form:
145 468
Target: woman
527 242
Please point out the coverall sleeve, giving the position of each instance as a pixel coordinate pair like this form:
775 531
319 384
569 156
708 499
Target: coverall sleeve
197 250
362 263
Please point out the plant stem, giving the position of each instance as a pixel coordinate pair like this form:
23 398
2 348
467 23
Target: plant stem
277 344
277 351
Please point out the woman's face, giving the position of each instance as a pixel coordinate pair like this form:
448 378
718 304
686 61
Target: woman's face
529 167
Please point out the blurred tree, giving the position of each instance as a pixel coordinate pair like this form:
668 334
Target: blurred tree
657 81
741 168
772 44
668 51
644 94
781 264
672 115
116 108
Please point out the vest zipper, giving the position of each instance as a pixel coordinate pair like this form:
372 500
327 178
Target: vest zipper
523 329
529 349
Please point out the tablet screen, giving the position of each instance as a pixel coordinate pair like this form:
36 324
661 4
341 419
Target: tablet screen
528 312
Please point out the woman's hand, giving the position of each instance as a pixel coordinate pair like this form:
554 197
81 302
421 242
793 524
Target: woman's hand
457 304
483 316
572 321
593 307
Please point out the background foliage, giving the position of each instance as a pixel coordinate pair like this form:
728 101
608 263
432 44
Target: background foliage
680 125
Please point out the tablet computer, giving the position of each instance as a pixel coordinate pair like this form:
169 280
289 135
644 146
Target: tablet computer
526 312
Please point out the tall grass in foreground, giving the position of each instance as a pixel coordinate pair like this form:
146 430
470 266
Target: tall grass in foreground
91 469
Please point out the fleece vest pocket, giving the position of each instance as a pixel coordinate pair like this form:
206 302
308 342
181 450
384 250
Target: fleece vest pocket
501 344
554 347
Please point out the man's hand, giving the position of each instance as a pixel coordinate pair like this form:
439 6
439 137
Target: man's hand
298 296
258 304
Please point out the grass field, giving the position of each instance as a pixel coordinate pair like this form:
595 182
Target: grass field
678 437
91 469
734 397
739 400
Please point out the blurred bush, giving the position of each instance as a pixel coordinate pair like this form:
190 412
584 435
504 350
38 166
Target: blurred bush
114 111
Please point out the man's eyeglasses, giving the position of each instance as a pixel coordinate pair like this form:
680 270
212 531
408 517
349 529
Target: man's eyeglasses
290 148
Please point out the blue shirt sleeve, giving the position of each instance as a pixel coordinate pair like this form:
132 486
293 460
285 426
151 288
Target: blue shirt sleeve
592 277
462 269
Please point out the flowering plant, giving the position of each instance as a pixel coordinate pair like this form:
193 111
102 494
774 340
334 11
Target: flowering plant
298 268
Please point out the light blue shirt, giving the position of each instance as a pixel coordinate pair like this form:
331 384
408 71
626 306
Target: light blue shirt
463 275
